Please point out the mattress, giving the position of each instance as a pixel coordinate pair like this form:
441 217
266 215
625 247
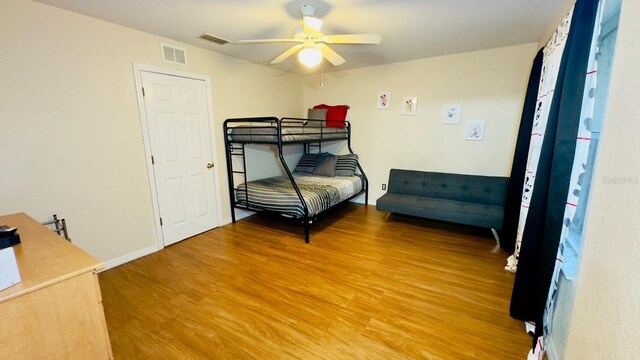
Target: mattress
277 193
269 133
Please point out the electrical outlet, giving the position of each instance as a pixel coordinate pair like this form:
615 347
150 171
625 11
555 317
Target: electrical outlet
384 186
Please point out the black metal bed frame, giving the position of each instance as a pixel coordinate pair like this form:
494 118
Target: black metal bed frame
237 148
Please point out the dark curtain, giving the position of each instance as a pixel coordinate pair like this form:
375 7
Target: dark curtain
519 165
544 222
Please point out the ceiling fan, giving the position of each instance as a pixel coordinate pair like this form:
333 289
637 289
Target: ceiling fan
312 44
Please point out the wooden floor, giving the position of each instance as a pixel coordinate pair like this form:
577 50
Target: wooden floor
365 287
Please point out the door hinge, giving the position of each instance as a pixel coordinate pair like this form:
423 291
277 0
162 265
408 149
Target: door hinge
153 161
160 221
143 94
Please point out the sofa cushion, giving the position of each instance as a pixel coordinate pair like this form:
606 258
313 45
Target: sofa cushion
460 212
489 190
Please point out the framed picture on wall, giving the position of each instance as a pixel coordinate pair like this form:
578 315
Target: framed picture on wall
384 99
451 114
474 130
409 105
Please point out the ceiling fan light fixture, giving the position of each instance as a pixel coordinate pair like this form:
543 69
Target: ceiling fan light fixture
310 56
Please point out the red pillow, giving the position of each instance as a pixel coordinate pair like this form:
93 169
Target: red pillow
336 115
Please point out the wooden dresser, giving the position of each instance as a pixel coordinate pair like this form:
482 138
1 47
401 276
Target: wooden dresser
56 311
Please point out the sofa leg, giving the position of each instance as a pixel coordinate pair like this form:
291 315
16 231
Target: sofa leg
495 235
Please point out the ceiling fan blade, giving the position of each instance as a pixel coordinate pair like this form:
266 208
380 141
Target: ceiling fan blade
292 50
257 41
352 39
331 55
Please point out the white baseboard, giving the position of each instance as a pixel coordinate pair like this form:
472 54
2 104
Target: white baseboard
240 214
109 264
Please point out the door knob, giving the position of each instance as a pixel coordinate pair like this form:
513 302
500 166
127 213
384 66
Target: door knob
209 165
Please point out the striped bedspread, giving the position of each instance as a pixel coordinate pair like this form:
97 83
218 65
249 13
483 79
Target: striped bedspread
319 193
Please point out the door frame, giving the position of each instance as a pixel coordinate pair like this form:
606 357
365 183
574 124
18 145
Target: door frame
137 71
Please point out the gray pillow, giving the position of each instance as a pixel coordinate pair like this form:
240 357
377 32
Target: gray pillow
325 166
307 163
317 114
347 165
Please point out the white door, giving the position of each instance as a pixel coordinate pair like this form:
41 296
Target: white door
179 134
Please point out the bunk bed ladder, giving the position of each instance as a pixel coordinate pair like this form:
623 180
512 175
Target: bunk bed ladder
236 150
308 146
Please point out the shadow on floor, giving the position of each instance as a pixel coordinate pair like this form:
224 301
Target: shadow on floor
294 226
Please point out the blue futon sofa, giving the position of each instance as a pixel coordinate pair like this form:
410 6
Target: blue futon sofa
464 199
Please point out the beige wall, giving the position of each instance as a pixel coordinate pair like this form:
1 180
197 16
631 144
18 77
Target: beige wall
489 84
72 140
606 311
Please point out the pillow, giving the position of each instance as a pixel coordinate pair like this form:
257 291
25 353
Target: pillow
317 114
307 163
347 165
326 166
336 115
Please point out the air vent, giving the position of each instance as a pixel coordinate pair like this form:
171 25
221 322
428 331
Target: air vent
213 39
174 54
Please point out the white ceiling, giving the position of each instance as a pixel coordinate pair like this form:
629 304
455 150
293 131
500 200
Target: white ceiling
410 29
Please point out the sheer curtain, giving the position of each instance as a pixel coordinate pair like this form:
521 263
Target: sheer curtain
513 199
552 57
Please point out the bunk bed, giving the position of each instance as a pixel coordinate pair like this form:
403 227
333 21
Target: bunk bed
298 195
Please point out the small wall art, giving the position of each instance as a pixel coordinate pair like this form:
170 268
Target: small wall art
409 105
474 130
451 114
384 99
